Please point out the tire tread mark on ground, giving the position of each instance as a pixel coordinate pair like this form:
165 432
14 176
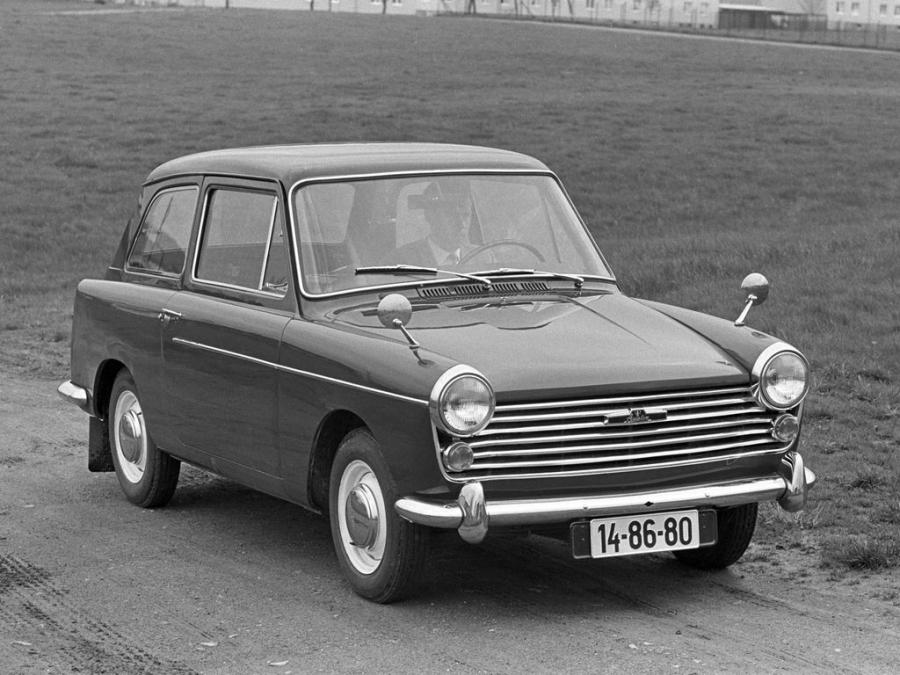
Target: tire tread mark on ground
33 603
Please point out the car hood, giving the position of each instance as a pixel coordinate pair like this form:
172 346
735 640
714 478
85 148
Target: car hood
593 343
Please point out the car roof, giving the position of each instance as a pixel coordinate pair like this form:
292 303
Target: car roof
292 163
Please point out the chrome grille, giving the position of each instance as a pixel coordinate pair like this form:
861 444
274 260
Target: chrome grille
591 436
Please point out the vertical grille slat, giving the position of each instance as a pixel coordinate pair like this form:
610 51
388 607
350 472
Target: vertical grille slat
606 435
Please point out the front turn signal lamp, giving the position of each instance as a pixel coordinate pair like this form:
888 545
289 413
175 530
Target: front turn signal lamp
785 428
461 402
458 457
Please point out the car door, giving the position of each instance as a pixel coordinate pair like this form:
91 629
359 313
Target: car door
222 333
153 261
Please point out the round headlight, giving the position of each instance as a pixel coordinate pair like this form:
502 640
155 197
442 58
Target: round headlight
462 402
784 380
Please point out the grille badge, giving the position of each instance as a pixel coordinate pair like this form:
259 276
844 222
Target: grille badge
634 416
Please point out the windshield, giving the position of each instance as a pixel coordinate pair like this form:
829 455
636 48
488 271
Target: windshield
456 223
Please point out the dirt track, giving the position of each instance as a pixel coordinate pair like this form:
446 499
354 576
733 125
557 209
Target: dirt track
225 580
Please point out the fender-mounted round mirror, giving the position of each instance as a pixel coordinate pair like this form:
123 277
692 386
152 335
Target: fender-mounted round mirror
393 308
756 286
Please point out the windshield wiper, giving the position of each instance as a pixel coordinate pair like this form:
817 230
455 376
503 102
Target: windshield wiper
416 269
515 271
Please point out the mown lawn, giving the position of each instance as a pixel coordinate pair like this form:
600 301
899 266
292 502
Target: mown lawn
694 161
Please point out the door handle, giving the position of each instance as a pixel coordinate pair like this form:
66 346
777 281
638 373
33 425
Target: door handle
166 316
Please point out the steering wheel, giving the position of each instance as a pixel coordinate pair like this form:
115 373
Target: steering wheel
478 250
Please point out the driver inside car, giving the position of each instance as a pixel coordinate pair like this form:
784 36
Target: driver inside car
448 212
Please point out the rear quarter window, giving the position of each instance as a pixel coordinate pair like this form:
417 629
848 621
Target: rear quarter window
163 237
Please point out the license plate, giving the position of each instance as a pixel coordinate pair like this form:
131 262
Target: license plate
646 533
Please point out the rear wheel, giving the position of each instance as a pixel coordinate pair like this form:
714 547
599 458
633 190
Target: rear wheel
380 553
735 530
147 475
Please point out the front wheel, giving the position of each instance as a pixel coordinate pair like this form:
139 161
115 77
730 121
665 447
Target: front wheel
380 553
735 530
147 475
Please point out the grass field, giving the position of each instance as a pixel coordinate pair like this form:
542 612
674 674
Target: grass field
694 161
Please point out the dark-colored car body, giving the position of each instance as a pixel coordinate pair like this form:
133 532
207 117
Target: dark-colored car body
263 385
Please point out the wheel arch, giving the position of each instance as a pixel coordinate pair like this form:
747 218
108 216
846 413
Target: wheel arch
106 375
333 428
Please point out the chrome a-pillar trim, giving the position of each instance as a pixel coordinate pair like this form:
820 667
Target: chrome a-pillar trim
74 394
471 511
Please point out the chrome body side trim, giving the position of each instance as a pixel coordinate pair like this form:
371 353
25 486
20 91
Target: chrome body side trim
785 488
297 371
74 394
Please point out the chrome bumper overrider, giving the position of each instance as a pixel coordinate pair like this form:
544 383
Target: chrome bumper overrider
471 514
74 394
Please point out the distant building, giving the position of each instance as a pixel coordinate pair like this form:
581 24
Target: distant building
692 13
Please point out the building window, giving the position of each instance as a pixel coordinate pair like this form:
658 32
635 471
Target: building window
854 9
882 10
636 4
396 2
607 4
704 7
896 10
688 6
590 4
839 7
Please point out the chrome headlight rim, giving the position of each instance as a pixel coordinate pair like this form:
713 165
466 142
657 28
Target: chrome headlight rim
441 387
763 361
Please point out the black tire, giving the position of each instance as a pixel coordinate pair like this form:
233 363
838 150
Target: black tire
735 530
147 475
380 554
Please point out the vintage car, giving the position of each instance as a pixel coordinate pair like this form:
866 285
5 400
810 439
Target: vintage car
422 337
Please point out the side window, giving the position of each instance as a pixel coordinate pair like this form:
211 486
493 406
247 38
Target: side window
163 237
243 242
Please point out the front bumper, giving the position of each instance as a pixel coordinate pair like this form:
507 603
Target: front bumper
72 393
471 514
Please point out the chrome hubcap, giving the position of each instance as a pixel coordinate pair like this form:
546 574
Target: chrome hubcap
361 516
130 437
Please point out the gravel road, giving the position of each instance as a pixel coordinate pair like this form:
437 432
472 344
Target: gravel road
225 580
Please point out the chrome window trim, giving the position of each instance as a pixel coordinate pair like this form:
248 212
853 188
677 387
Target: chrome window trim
157 274
297 371
201 230
265 265
410 174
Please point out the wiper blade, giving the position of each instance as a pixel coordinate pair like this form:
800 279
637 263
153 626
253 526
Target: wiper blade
416 269
515 271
